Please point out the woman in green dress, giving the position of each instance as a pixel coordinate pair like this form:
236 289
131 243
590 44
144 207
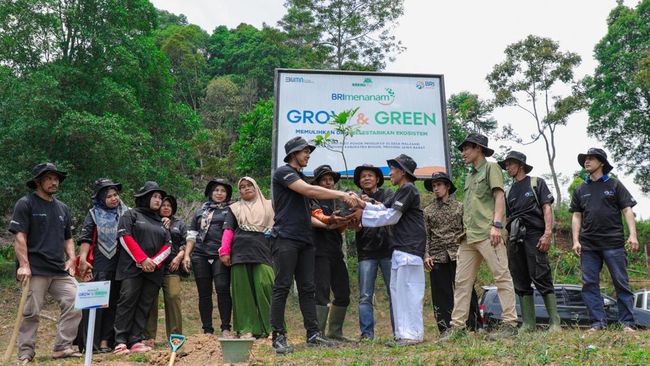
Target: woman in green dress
245 247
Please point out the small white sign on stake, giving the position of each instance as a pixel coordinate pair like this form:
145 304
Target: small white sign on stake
92 295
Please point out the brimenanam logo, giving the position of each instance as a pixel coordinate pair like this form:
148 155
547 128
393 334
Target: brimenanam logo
297 79
364 83
425 84
384 99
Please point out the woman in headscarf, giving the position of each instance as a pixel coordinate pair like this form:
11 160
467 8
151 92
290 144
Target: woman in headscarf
145 246
245 246
202 253
98 240
172 279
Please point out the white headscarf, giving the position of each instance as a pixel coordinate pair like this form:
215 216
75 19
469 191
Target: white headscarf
256 214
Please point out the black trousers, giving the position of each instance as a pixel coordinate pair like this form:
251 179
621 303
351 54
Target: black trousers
442 278
104 318
136 299
529 265
293 258
332 274
215 274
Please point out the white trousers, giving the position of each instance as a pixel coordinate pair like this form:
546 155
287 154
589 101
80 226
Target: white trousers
407 295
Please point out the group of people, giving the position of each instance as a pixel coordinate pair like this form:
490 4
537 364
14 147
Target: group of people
253 249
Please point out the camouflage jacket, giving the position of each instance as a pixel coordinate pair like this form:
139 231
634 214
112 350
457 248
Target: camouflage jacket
444 222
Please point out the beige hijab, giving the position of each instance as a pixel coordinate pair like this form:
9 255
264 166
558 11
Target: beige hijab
256 214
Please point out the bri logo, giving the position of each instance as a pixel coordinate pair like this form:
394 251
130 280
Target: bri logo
425 84
297 79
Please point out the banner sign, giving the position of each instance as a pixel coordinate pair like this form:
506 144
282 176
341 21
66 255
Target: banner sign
92 295
398 114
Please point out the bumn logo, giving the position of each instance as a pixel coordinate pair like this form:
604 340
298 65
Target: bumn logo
297 79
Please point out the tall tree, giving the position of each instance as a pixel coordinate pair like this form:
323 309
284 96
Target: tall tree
531 78
619 91
353 34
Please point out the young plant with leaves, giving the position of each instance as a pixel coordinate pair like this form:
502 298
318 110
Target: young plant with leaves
343 129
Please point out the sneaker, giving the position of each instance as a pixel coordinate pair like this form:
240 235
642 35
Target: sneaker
452 334
595 328
628 329
505 331
24 360
402 342
366 338
317 340
280 345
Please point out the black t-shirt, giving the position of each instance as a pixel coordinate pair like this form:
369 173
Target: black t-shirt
101 263
292 217
409 234
209 247
328 242
47 225
147 230
374 242
521 203
601 203
247 246
178 232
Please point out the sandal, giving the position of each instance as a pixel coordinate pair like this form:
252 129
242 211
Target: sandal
140 347
68 352
121 349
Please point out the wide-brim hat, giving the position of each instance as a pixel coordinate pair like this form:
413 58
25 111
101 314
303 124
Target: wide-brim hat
218 182
405 163
43 168
324 170
294 145
440 176
515 155
478 139
600 154
149 187
172 200
374 169
103 183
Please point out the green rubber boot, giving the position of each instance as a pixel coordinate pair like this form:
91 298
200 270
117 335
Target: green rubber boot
335 323
550 301
527 303
321 317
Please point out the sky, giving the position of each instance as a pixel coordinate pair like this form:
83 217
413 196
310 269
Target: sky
463 40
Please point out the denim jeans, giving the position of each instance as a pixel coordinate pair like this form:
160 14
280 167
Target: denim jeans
367 276
591 262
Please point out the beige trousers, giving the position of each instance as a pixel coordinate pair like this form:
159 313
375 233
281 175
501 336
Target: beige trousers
469 260
63 290
173 318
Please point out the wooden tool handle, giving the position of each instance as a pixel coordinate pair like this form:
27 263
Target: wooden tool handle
19 318
172 359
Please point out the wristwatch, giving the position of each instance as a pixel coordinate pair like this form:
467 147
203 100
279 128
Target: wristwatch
497 224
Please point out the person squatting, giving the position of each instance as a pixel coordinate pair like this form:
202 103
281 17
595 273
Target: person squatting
253 249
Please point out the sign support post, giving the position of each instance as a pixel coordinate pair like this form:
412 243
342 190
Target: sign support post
90 296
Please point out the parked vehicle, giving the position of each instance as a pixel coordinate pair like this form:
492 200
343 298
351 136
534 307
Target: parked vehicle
572 309
642 300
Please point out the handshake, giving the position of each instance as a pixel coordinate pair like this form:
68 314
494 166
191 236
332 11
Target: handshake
355 205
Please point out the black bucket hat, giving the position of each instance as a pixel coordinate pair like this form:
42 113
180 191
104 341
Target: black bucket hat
478 139
172 200
516 155
324 170
405 163
372 168
428 183
149 187
218 182
43 168
294 145
102 183
599 154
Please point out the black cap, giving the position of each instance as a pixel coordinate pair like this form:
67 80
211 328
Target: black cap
405 163
148 187
102 183
372 168
294 145
324 170
478 139
516 155
43 168
599 154
218 182
440 176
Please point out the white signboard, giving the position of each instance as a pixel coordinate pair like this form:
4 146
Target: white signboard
91 295
398 114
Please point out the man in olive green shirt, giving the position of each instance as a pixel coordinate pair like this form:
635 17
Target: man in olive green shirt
484 211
